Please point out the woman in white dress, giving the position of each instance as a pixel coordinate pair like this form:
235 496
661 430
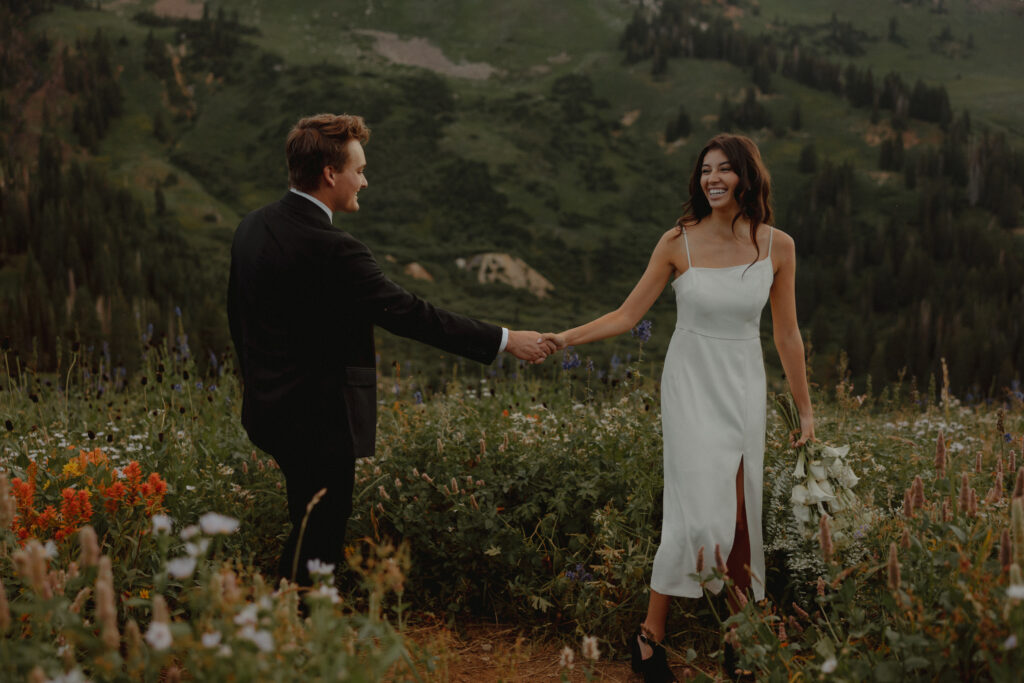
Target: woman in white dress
724 261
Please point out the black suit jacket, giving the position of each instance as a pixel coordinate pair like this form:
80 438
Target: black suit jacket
303 298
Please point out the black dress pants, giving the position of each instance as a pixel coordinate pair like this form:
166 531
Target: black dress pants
306 472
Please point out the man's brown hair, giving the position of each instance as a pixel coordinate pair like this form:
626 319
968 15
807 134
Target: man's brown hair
319 141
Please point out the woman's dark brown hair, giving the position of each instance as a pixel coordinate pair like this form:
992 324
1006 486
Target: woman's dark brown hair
319 141
753 192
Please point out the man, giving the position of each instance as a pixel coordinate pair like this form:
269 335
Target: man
303 299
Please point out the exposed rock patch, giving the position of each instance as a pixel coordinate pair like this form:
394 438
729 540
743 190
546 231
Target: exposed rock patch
512 271
417 272
178 9
420 52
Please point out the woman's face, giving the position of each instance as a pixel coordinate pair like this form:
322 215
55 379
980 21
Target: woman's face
718 180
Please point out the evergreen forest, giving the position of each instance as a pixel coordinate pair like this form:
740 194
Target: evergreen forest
132 139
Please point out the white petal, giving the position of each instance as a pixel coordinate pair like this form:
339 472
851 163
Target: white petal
800 495
802 513
834 452
799 472
818 470
817 495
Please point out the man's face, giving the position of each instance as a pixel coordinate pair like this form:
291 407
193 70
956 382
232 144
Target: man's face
347 182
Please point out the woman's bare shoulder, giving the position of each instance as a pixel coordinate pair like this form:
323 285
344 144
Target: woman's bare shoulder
671 234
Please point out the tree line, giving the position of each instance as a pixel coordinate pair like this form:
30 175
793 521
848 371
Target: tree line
897 289
80 258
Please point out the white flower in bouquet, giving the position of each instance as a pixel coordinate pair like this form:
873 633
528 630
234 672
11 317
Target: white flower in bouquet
824 480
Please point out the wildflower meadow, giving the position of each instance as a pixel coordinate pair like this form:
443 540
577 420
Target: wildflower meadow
139 529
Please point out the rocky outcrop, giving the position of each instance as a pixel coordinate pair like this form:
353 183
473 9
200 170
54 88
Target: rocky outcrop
505 268
417 272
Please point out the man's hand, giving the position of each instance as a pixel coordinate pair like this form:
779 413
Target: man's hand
557 339
528 346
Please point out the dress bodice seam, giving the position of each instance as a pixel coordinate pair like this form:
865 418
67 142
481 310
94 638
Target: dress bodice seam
740 265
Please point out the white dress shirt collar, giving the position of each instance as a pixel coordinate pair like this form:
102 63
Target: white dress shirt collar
330 214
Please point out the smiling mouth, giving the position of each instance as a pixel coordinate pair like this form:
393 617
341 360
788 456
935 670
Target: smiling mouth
716 192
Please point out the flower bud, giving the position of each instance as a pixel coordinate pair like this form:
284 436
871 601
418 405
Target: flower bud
905 540
1018 488
964 493
1017 527
106 608
917 491
894 568
5 610
977 462
590 649
825 539
719 562
8 508
90 546
940 455
161 615
972 503
31 564
908 503
1005 550
700 561
79 601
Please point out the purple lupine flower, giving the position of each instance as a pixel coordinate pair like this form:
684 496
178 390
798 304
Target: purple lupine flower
643 331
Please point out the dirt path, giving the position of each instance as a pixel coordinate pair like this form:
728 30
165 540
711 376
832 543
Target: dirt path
487 653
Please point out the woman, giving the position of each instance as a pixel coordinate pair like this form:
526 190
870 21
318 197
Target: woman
724 261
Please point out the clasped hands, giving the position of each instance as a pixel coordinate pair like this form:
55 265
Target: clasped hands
533 347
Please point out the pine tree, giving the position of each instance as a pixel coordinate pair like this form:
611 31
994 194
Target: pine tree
158 198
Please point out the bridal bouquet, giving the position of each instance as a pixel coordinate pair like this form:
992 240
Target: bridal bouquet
824 481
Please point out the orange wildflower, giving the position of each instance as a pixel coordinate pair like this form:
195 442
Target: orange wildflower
25 517
75 510
45 521
114 495
153 492
133 475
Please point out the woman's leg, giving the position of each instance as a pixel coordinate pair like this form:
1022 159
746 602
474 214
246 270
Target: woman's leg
738 564
657 615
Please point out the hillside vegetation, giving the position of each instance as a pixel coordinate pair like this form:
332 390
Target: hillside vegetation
892 136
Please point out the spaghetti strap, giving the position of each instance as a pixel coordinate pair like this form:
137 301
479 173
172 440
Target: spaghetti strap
771 234
689 261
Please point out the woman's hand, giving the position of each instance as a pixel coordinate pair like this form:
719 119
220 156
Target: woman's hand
558 339
799 437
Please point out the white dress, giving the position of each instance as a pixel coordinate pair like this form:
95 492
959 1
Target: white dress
713 402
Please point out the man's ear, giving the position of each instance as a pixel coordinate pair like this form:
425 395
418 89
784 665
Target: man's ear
327 176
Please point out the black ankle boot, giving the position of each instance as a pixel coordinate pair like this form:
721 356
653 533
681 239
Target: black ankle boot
655 668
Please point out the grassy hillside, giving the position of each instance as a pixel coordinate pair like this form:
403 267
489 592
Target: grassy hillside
559 156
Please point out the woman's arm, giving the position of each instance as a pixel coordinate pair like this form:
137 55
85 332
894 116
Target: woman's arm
787 334
656 276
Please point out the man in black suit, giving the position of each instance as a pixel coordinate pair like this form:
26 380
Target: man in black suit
303 299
